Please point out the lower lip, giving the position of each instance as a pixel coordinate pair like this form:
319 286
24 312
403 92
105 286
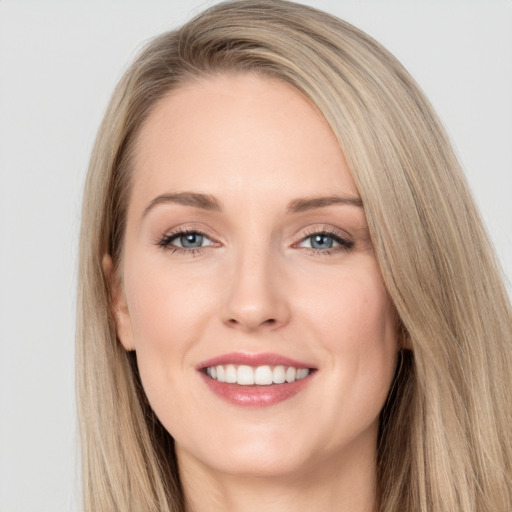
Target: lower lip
255 396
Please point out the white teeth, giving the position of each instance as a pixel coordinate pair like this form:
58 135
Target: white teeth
221 377
263 376
231 374
301 373
291 374
279 375
245 375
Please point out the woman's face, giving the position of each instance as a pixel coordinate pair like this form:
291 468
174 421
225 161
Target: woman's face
247 258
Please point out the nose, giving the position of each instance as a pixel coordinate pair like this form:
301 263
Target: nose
256 296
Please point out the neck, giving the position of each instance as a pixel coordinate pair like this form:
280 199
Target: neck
347 485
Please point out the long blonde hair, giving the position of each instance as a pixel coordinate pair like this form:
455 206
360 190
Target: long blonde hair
445 440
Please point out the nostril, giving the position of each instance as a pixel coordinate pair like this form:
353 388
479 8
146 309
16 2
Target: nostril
269 322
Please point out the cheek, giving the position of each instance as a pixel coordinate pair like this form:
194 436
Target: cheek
165 305
356 328
168 311
351 308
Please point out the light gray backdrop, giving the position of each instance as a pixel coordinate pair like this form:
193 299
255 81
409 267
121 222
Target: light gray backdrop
59 62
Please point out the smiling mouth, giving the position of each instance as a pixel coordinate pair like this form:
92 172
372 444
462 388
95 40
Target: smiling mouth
255 380
265 375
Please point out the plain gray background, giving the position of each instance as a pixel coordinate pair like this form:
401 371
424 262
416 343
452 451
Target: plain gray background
59 62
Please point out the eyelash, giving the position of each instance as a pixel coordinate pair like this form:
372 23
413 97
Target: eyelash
166 242
344 244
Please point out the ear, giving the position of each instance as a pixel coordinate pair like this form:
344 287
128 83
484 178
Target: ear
118 304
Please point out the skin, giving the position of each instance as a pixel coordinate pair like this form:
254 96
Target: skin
257 285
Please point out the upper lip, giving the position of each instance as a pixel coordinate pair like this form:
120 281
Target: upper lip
261 359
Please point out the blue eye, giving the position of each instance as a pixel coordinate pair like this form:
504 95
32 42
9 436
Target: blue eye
185 241
321 242
190 240
326 242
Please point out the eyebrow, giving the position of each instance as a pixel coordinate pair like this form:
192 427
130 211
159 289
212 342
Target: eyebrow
305 204
211 203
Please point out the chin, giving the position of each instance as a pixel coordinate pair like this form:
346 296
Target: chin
266 456
279 452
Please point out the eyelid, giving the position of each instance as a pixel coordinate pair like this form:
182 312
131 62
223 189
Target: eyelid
344 241
181 233
194 227
326 230
164 240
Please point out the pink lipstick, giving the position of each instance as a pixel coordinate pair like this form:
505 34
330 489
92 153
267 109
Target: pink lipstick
255 380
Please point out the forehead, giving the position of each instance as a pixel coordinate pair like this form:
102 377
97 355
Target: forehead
239 134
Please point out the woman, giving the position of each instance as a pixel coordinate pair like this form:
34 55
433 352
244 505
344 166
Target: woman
287 298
